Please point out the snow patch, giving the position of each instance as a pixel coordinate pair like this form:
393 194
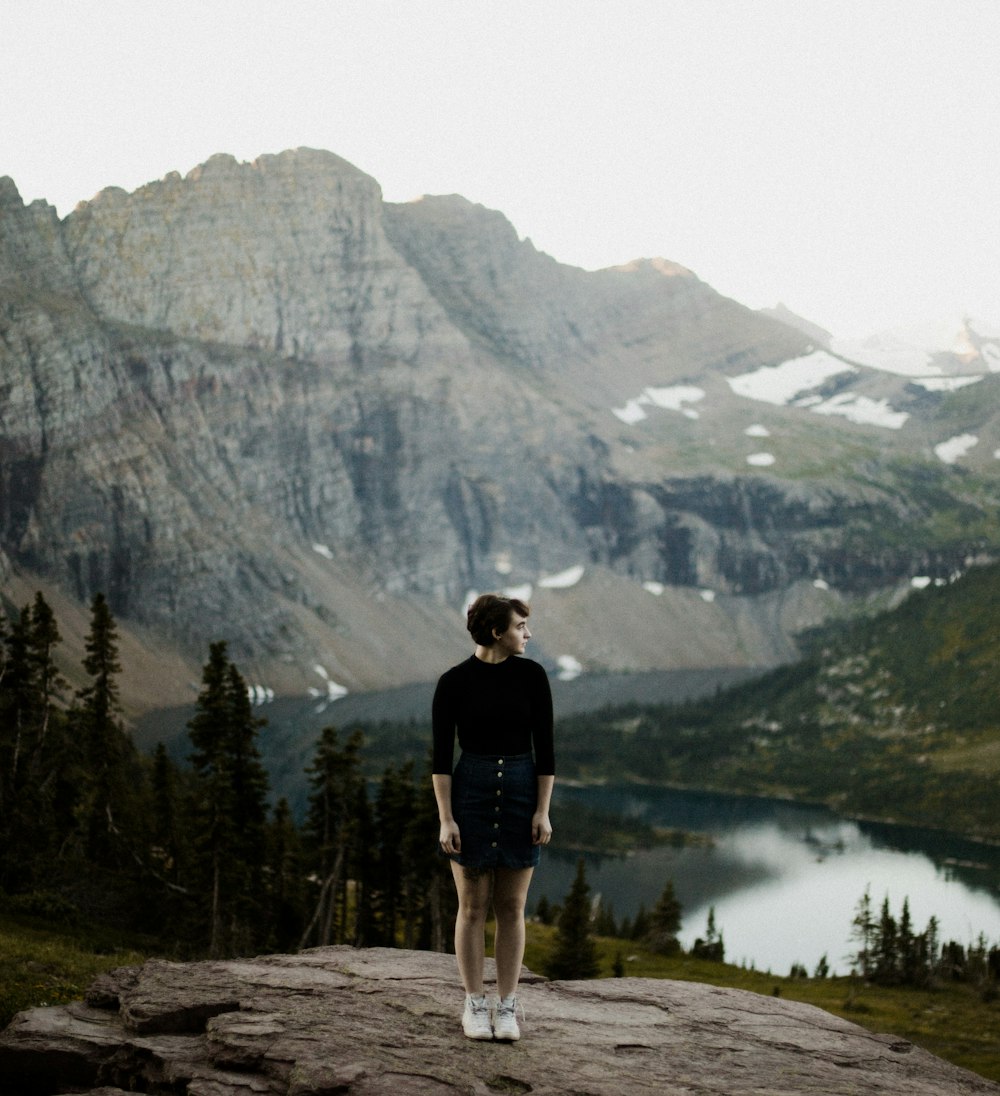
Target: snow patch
673 398
920 582
563 580
945 384
761 460
503 564
789 385
951 450
653 587
757 431
821 584
780 384
669 399
323 550
863 410
631 413
569 668
260 694
522 592
333 690
707 595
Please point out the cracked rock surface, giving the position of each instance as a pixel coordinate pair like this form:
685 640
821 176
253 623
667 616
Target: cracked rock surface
370 1021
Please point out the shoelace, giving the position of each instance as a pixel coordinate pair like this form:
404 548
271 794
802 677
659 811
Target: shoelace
513 1006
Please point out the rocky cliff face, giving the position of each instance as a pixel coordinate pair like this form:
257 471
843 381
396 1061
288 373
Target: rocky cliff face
258 403
339 1020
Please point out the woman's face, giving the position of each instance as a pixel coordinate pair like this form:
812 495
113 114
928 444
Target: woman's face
515 639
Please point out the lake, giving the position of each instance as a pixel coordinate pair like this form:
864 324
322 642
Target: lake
784 879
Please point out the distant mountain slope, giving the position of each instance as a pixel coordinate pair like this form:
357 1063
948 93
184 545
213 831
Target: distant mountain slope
258 403
896 717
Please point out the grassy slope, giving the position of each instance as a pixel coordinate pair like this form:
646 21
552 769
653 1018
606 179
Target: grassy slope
42 964
896 718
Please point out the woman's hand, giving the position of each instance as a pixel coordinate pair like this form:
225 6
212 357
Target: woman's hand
450 839
541 828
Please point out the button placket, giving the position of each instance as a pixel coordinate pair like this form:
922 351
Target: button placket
496 825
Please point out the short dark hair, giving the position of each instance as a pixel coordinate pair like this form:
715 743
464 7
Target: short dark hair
491 613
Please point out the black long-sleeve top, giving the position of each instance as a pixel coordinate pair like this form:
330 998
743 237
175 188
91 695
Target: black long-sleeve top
502 708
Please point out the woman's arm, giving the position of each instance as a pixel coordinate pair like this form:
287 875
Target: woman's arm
449 838
541 827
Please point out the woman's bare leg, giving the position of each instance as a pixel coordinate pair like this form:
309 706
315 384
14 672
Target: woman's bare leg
510 893
470 925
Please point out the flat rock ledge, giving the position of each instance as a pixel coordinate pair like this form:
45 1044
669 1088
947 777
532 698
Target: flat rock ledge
377 1021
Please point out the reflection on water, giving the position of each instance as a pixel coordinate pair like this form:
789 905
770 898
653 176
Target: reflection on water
784 879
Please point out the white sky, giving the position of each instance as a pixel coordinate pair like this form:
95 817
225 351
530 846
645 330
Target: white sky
841 156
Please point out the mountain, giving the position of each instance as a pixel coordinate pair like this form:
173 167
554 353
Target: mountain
258 403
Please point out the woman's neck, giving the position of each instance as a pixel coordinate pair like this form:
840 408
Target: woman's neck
493 655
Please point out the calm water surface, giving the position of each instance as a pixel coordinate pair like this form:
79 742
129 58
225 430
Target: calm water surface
784 880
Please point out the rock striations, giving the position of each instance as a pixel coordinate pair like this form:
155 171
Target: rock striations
257 403
364 1022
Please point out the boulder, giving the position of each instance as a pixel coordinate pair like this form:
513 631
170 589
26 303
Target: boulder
379 1020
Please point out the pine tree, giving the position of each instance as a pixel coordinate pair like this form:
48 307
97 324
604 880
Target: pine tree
229 808
331 832
110 767
286 902
165 824
604 923
712 946
665 923
37 788
886 970
394 816
863 932
574 955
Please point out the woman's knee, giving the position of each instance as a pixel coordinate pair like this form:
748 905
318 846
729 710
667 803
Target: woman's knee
473 908
509 908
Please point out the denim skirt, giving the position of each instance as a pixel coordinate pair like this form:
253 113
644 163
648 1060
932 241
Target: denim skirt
493 799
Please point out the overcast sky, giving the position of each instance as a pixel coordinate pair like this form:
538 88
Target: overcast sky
840 156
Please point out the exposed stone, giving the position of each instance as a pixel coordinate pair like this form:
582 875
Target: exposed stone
257 403
367 1022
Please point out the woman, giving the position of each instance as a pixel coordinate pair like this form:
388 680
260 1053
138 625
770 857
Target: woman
494 808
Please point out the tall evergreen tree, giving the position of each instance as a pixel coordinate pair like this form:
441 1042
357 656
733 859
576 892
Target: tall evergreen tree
863 932
886 969
574 954
331 833
394 818
229 808
110 771
36 759
284 877
665 923
712 945
165 822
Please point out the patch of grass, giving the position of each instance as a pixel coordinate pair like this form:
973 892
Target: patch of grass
953 1020
52 964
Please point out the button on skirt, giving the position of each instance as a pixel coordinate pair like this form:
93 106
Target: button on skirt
493 799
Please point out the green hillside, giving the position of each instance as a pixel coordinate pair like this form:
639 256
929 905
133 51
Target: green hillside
896 717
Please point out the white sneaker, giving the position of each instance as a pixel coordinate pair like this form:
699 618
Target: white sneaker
505 1025
476 1019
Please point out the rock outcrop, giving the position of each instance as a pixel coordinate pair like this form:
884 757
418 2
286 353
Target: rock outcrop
364 1022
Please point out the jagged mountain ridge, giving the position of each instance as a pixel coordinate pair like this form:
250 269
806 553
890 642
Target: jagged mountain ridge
259 403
